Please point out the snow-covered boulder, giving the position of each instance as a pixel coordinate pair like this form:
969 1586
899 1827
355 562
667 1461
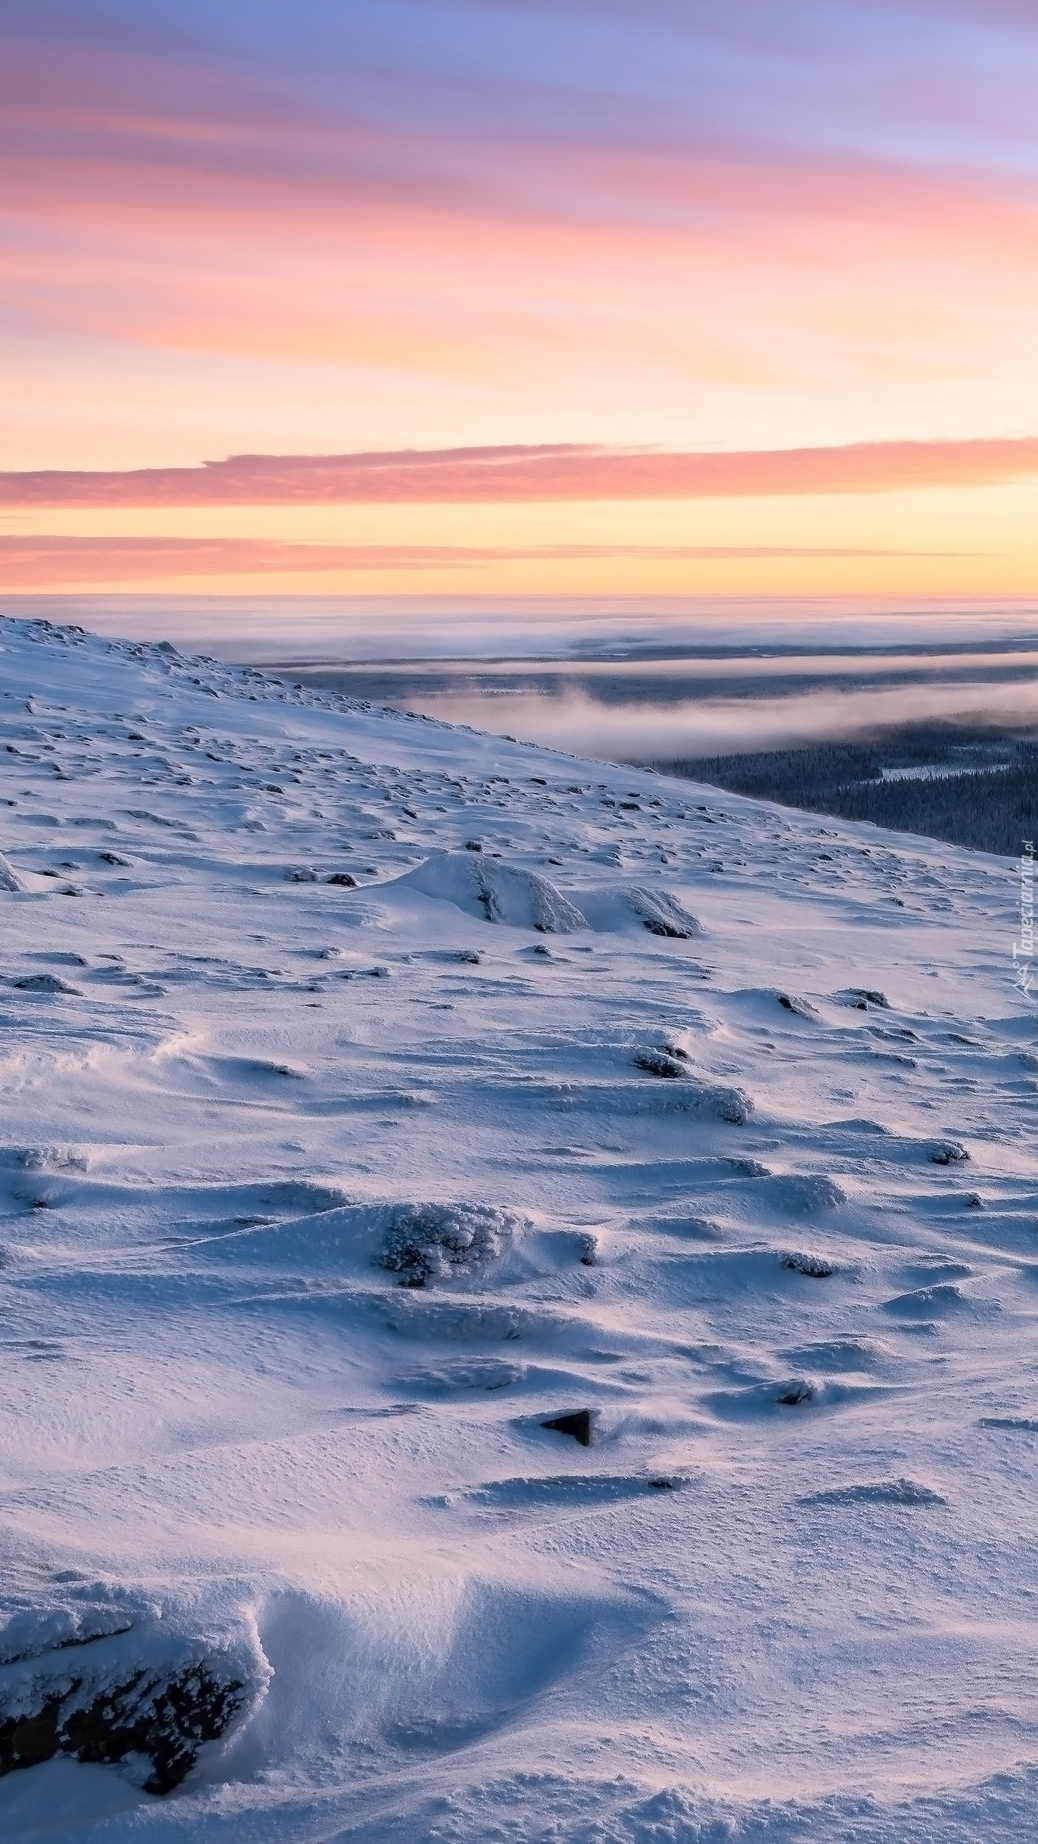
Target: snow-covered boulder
496 892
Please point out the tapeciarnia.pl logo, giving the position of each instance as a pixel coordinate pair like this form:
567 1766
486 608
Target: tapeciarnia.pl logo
1023 950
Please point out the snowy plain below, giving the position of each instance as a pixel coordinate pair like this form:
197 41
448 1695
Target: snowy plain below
582 1093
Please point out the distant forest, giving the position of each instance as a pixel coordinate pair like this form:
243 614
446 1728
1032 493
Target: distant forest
982 804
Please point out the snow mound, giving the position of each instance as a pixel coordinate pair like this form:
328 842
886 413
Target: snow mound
496 893
9 879
803 1193
715 1100
403 1670
878 1492
927 1302
816 1267
418 1242
619 908
47 1158
662 914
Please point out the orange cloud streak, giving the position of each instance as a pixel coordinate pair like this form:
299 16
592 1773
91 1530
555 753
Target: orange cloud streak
59 562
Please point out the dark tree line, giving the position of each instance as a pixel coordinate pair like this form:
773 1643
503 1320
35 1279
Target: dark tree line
987 807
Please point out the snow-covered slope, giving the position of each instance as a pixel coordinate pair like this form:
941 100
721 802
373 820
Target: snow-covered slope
580 1094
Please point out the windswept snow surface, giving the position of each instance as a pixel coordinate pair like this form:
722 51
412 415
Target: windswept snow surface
319 1199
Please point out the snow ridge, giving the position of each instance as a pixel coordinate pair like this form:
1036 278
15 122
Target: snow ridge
516 1288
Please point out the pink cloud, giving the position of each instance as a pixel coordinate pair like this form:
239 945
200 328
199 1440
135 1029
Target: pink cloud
512 475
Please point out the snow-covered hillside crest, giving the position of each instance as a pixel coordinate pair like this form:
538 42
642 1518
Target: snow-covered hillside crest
377 1093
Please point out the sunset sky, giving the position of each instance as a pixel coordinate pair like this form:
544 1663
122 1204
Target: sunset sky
520 297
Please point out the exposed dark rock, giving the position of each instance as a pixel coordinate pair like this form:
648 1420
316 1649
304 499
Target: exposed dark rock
302 877
799 1007
662 915
948 1152
343 878
43 982
814 1266
795 1394
425 1242
165 1720
659 1063
577 1424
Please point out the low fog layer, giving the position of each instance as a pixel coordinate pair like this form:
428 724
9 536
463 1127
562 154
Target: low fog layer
647 732
260 630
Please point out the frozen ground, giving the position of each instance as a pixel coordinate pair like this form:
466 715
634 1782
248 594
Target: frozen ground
320 1198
